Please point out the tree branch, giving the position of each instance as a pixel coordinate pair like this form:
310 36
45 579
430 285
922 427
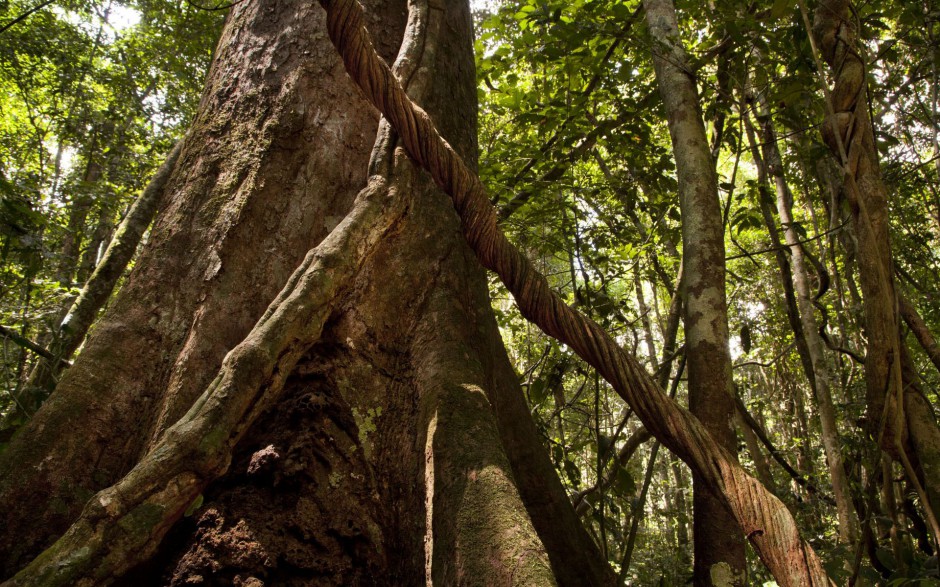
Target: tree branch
31 346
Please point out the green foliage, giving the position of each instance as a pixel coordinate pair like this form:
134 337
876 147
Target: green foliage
92 96
571 127
576 150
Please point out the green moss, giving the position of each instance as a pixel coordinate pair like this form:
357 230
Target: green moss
366 426
492 525
722 575
335 479
213 440
64 572
141 520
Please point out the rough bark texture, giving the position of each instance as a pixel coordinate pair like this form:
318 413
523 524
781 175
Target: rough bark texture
764 519
185 305
899 416
719 546
381 461
850 137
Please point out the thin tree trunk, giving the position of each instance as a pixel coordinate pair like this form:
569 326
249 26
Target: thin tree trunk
641 435
819 373
639 503
683 560
100 236
81 204
761 466
719 550
765 201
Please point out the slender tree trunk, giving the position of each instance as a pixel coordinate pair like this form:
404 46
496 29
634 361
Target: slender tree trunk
766 203
819 373
761 466
81 204
719 549
99 237
681 488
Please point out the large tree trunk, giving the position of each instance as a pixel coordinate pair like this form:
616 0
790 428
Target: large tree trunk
719 545
386 457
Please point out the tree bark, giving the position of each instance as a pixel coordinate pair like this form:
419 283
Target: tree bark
405 473
767 523
399 358
719 548
900 418
808 337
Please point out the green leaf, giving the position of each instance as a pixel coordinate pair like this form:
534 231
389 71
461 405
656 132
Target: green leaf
623 485
573 473
195 505
538 391
781 8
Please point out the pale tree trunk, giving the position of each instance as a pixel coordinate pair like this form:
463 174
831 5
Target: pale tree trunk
719 547
766 203
97 240
900 417
821 378
380 454
761 466
814 346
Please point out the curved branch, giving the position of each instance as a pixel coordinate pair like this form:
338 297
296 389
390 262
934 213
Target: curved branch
920 329
777 456
25 15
